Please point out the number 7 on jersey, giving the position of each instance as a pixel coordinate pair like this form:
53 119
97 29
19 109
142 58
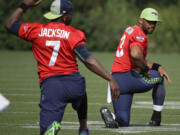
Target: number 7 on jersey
56 45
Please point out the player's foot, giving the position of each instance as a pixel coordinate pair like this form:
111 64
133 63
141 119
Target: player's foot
108 118
155 119
84 132
53 129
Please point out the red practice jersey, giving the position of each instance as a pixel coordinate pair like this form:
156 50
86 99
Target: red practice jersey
53 46
132 36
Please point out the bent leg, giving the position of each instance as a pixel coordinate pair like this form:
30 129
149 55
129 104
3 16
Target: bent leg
80 105
158 95
48 118
122 108
52 105
132 82
155 82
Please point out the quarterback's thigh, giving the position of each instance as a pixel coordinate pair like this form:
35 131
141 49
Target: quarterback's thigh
52 102
151 82
131 82
134 82
52 94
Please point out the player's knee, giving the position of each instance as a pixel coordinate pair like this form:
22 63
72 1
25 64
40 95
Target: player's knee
42 130
123 120
81 108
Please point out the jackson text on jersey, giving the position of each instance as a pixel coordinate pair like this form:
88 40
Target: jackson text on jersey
54 33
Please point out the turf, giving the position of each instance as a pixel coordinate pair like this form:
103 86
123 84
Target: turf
19 83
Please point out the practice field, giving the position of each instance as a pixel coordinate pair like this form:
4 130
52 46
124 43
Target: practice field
19 83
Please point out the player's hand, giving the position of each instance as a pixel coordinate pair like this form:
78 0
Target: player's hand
148 75
163 73
115 91
32 3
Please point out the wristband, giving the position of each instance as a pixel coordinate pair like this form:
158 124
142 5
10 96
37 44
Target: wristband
23 6
145 70
155 66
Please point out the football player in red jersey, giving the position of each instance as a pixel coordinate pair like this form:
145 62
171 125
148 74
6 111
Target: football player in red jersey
135 74
55 46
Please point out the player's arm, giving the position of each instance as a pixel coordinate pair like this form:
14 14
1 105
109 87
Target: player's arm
137 57
17 14
159 68
94 65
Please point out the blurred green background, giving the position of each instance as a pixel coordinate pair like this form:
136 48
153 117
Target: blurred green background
103 21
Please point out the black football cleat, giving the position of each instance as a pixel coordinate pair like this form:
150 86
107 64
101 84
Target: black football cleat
155 119
108 118
154 123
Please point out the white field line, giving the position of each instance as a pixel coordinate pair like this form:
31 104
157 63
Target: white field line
21 89
74 113
95 96
89 114
148 104
90 123
143 104
99 126
36 94
172 103
166 103
138 96
21 112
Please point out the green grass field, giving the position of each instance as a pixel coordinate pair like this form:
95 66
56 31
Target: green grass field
19 83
